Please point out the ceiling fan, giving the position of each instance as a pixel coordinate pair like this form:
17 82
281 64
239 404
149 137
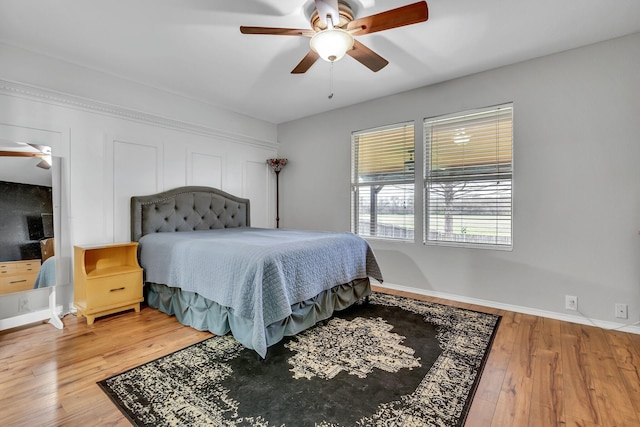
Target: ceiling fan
333 28
26 149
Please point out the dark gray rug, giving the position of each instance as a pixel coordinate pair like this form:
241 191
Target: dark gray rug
393 362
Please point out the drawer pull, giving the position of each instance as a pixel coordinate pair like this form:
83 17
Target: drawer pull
117 289
18 281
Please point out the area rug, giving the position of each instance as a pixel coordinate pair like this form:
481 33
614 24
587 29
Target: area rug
394 361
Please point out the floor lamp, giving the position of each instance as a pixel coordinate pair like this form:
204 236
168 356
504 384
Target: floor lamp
277 165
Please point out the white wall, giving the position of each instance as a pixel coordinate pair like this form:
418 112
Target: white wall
20 65
576 182
109 152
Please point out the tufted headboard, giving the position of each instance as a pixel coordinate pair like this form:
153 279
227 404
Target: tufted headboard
187 209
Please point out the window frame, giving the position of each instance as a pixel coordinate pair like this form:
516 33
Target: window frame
355 187
491 172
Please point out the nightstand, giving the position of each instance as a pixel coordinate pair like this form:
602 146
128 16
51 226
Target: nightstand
107 279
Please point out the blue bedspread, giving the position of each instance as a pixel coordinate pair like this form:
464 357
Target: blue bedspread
257 273
47 274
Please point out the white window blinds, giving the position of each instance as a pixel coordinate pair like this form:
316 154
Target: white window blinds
468 168
382 182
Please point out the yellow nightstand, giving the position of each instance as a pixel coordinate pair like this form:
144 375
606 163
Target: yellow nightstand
107 279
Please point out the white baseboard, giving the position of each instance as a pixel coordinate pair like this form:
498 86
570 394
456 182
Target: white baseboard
581 319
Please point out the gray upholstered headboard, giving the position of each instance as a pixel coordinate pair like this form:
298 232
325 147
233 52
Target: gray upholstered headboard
187 209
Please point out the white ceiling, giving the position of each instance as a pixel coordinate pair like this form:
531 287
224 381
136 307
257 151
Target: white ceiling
194 47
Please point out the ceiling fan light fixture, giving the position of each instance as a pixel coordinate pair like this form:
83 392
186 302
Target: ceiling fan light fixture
332 44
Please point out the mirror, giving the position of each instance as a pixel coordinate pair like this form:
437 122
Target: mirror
27 258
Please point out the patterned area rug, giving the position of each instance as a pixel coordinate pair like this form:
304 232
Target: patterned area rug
393 362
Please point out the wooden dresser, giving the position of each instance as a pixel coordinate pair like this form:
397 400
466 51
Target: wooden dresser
107 279
16 276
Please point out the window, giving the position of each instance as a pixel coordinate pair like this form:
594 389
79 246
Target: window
468 167
382 182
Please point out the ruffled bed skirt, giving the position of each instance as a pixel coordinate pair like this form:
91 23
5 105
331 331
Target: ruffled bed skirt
202 314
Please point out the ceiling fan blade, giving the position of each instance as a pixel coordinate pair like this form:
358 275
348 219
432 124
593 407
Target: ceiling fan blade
43 164
306 63
277 31
21 154
367 57
328 7
405 15
42 148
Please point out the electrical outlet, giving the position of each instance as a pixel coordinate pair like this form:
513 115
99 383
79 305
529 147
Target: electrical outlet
570 302
622 311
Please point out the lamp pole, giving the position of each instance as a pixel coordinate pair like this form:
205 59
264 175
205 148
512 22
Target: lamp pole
276 165
277 199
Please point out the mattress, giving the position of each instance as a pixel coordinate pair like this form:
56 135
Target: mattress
256 274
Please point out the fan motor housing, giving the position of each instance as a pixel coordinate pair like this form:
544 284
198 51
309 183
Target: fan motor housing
346 16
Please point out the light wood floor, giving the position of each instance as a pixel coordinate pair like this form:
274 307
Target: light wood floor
540 372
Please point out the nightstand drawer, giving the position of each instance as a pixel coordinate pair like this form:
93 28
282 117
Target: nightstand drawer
114 290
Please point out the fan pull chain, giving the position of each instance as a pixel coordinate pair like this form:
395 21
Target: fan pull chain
331 81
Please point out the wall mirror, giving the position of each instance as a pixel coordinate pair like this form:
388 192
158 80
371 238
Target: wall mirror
27 237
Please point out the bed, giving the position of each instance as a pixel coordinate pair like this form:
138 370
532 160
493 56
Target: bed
206 265
47 274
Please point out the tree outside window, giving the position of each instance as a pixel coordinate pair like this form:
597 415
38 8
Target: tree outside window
383 182
468 168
